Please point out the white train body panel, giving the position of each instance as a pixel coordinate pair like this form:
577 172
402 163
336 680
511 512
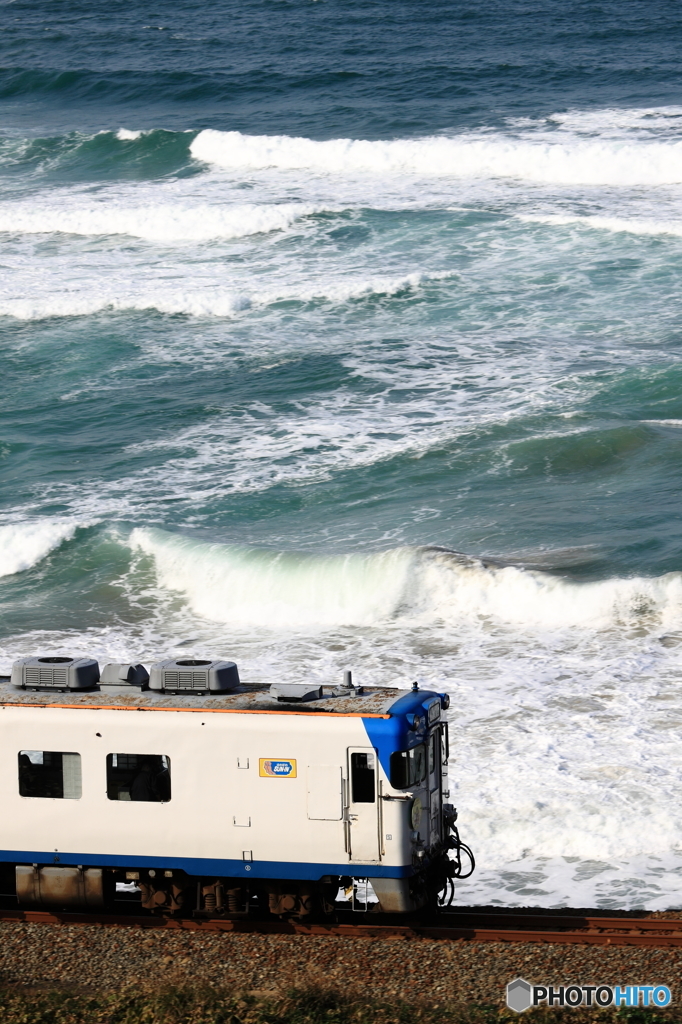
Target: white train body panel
256 791
236 795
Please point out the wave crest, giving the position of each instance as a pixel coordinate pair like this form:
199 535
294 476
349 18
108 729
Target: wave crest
570 160
161 222
615 225
23 545
249 586
211 301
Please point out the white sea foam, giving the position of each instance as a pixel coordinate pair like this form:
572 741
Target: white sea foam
248 586
617 122
255 447
260 448
209 300
557 159
156 222
631 226
23 545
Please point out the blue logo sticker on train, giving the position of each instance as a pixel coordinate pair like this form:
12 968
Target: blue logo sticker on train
282 768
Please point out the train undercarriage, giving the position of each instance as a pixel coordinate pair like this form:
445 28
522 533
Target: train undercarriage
172 891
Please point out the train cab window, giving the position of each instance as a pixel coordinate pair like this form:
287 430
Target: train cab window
363 785
408 767
139 777
50 773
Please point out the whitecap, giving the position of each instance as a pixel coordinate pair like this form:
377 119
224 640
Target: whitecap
164 222
560 160
421 585
23 545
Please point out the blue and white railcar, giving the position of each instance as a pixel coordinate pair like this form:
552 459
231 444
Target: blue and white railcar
214 796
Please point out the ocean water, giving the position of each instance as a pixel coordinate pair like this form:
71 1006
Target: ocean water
347 335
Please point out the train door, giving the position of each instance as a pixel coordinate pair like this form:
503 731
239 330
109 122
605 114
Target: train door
434 771
362 804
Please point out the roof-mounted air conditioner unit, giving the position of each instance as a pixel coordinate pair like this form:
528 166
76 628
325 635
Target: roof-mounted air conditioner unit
194 676
55 673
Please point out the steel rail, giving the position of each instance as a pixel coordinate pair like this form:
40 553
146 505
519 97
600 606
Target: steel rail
452 927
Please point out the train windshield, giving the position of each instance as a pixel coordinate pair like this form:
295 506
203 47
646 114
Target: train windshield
408 767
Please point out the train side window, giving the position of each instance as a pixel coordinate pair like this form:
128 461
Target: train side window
362 778
432 753
408 767
418 764
50 773
139 777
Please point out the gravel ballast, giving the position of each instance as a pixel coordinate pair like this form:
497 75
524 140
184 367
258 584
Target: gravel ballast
103 958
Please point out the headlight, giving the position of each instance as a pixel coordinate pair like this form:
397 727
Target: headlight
416 814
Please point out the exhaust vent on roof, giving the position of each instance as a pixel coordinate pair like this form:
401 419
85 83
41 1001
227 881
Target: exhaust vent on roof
55 673
295 693
124 674
192 676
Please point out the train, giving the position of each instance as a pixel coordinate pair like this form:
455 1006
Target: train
205 795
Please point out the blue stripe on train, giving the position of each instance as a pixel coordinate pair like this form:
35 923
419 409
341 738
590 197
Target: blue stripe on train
207 866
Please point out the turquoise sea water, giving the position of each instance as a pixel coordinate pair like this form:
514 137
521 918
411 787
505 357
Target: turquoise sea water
348 335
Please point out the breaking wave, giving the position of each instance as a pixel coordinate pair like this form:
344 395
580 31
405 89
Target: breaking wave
251 586
568 160
209 301
23 545
562 152
160 222
629 226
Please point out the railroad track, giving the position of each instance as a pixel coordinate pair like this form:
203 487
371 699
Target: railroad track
450 927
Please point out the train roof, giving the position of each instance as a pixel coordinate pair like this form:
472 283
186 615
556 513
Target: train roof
379 701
